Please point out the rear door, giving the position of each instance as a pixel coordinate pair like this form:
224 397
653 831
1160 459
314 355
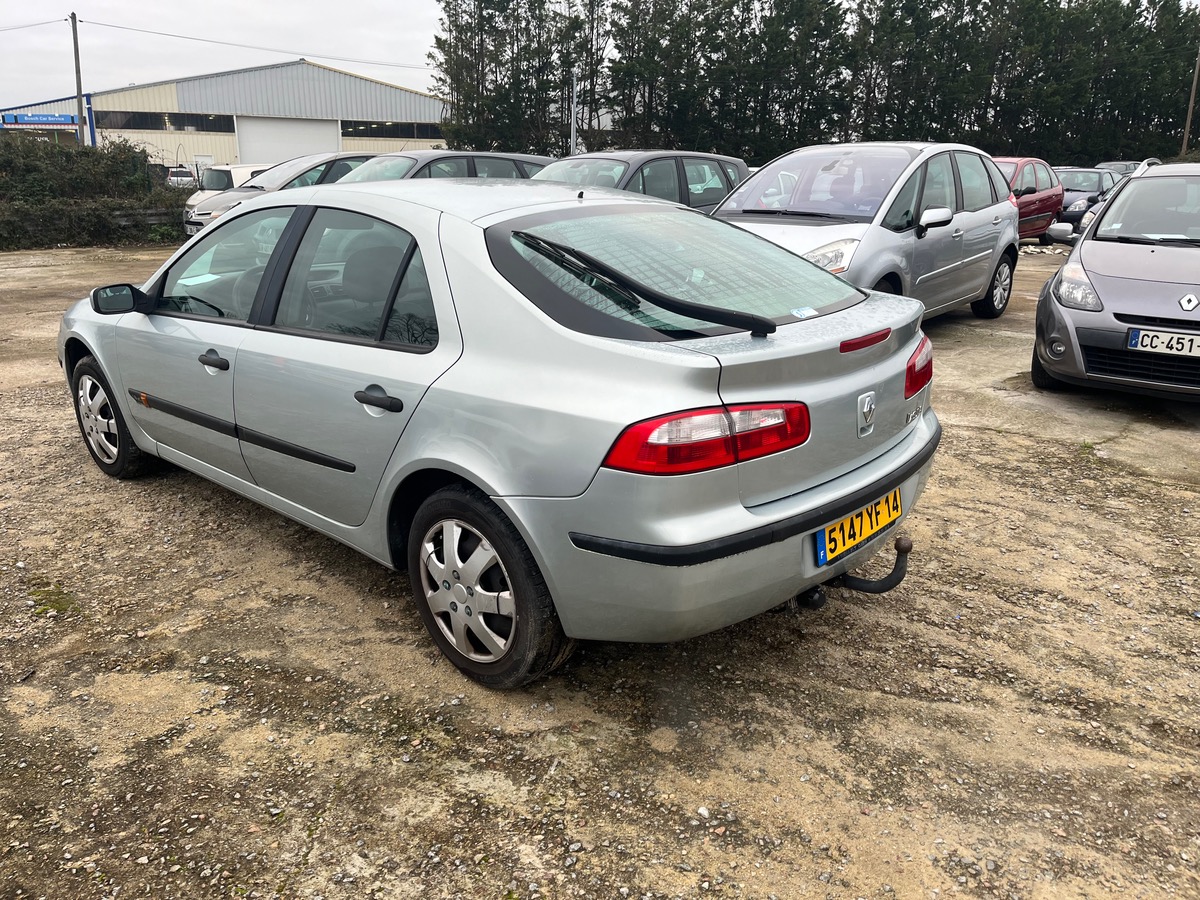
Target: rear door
979 219
350 339
180 361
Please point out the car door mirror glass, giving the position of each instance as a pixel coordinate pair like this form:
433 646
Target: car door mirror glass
116 298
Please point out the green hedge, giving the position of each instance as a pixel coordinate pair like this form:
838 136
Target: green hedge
64 195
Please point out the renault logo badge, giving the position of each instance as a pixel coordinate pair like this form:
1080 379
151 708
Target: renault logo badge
866 414
1189 302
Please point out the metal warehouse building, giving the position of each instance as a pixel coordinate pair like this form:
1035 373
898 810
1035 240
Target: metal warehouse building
264 114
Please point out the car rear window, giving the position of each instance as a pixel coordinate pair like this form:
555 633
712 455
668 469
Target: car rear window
596 172
672 251
381 168
216 180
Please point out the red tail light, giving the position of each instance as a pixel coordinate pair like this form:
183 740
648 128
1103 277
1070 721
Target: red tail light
703 439
919 371
1012 198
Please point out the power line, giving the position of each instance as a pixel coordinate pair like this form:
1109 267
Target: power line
31 25
186 37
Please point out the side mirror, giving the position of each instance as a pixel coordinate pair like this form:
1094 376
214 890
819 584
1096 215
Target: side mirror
1026 191
118 298
1062 233
1094 198
933 217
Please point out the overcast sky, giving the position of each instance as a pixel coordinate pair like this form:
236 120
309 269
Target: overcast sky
37 64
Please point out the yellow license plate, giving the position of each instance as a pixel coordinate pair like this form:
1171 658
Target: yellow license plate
841 537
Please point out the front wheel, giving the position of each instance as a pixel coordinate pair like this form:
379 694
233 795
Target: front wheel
992 304
480 592
1044 238
102 425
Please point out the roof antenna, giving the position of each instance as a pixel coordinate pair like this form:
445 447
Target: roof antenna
580 197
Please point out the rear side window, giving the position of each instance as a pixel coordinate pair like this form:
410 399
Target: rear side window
705 185
312 176
1000 181
531 168
976 187
445 168
672 251
732 173
1045 178
353 277
486 167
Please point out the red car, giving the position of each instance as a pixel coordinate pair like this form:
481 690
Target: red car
1038 191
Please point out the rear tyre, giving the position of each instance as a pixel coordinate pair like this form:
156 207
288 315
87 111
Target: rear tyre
480 592
102 425
1042 379
992 304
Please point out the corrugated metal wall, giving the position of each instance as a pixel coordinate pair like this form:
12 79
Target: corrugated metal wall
388 145
151 98
58 107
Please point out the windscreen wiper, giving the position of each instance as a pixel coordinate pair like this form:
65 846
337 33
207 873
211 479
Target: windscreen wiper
1180 241
1126 239
793 212
759 326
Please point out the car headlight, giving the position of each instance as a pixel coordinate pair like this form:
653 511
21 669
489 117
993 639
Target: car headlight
1087 219
833 257
1078 206
1074 290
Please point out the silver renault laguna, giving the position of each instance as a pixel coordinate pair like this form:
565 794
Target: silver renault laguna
568 414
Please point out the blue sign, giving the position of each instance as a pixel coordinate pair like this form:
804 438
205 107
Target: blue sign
39 119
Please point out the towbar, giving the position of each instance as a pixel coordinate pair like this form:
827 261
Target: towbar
903 547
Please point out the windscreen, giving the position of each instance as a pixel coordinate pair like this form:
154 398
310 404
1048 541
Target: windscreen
1080 181
1153 210
846 182
595 172
1007 169
381 168
672 251
277 176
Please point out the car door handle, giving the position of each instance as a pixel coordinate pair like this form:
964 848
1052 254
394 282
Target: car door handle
213 360
996 221
957 234
383 401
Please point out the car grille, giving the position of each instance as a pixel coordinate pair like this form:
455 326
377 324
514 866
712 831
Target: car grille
1158 367
1158 322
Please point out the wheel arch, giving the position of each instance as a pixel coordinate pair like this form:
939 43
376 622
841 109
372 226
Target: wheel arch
73 351
407 498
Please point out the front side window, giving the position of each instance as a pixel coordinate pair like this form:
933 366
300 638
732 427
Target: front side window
657 179
976 188
1045 180
312 176
219 276
939 184
670 251
1028 178
903 212
351 275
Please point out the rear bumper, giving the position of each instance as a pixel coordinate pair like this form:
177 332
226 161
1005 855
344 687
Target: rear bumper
606 588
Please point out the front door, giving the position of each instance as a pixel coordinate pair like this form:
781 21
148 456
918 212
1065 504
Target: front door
937 254
179 362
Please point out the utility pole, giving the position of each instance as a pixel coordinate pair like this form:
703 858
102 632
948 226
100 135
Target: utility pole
79 83
575 113
1187 126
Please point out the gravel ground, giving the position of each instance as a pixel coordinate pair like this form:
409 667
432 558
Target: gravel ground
201 699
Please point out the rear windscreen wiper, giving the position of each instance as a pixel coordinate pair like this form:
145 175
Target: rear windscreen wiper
757 325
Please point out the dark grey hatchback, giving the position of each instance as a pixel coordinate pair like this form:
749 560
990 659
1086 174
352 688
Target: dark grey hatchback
698 180
1124 310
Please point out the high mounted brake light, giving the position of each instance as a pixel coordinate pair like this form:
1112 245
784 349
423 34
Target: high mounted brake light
703 439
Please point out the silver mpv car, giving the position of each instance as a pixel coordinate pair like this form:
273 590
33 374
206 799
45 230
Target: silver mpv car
937 222
568 415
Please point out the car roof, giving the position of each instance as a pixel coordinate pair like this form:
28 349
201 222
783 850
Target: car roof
1167 169
420 155
1019 159
631 155
474 199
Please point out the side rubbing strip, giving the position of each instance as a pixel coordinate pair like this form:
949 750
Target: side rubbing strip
312 456
243 434
188 415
